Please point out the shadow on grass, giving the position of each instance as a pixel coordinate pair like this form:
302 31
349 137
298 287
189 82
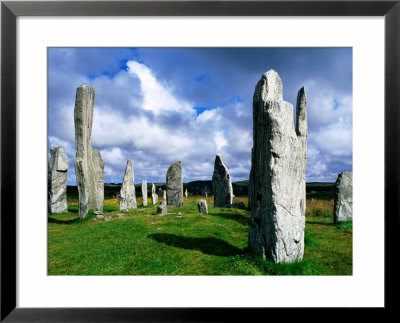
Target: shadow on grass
210 246
240 218
321 223
58 221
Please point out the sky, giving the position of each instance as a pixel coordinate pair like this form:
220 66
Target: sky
156 106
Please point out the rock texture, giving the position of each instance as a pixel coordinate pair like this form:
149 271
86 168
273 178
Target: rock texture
202 206
144 192
186 193
222 185
164 194
277 177
154 195
89 166
343 209
128 194
57 181
175 184
162 208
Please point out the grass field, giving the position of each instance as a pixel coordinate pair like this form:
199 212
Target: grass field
144 243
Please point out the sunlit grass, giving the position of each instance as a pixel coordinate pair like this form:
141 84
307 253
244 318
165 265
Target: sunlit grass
185 242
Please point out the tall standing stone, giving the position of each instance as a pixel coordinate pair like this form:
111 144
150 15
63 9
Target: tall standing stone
277 177
222 185
343 209
57 181
164 194
89 166
154 195
175 184
186 193
128 195
144 192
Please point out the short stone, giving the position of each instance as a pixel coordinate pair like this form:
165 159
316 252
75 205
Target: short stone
343 209
162 208
202 206
107 218
100 216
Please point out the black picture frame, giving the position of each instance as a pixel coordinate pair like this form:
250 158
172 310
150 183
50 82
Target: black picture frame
10 10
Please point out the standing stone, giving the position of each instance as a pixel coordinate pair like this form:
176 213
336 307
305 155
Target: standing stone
202 206
162 208
154 196
144 192
186 193
175 184
89 166
57 181
222 185
128 194
277 177
164 194
343 209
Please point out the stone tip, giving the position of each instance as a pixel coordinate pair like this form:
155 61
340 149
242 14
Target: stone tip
218 160
271 86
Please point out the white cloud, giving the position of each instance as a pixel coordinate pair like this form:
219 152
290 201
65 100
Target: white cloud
157 98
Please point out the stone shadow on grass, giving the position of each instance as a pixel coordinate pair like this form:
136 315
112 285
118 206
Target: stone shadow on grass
210 246
240 218
58 221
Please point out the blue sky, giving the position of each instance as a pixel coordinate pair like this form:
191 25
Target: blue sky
159 105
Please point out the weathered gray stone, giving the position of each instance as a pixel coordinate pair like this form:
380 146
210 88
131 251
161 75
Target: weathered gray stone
277 177
222 185
108 218
343 209
186 193
154 196
89 166
202 206
128 194
162 208
57 181
164 194
144 192
175 184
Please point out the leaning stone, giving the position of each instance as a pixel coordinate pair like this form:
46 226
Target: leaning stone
175 184
89 166
57 181
202 206
222 185
154 196
144 192
277 176
128 195
162 208
343 209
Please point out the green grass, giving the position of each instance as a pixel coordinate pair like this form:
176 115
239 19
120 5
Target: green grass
144 243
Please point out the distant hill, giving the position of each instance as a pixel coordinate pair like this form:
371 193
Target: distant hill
240 188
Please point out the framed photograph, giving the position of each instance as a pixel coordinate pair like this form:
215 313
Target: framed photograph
182 81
